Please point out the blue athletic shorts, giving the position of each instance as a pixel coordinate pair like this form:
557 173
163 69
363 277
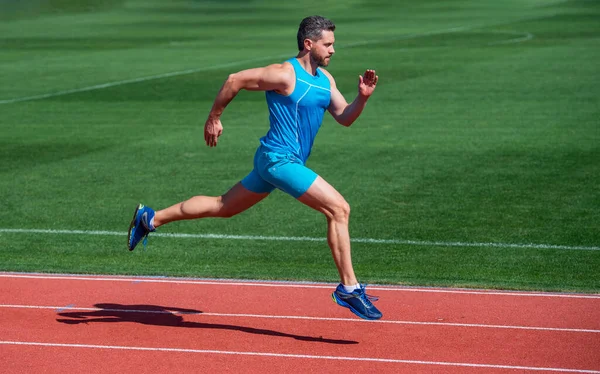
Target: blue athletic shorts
276 170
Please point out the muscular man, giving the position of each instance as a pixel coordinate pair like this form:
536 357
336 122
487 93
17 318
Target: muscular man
298 92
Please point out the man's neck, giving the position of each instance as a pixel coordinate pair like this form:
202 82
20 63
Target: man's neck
307 63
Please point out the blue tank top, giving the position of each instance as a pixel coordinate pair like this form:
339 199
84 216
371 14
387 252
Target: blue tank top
296 119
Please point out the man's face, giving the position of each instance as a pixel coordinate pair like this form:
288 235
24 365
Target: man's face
322 49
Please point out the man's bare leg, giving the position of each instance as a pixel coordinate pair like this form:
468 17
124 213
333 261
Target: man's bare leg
234 201
349 294
323 197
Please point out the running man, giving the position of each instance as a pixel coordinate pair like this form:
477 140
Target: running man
298 92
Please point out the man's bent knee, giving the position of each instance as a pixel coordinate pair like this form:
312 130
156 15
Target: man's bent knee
339 211
323 197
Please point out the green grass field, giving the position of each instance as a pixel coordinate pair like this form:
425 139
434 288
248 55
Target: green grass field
485 128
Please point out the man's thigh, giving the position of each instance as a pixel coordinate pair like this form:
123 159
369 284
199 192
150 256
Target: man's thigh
323 197
285 173
239 198
253 182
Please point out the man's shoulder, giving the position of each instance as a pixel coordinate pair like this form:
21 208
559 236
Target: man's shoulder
283 66
328 75
285 69
282 73
325 71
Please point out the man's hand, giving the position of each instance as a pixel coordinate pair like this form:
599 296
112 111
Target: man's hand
367 83
212 130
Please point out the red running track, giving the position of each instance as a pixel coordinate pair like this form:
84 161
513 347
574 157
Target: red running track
102 324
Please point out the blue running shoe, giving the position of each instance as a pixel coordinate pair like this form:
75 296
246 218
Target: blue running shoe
358 302
140 226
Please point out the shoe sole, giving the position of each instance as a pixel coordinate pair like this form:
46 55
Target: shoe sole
341 302
131 225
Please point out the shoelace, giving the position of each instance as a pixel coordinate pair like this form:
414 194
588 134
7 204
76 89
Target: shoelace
367 297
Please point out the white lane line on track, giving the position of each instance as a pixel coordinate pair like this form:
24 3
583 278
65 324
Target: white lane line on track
304 239
288 284
300 356
69 308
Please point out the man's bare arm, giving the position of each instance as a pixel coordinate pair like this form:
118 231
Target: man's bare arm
344 113
277 77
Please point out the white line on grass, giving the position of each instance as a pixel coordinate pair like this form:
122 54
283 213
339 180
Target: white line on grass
63 309
523 37
287 355
197 70
550 3
235 63
135 80
287 284
305 239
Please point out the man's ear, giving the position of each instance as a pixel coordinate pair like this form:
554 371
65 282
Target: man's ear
308 44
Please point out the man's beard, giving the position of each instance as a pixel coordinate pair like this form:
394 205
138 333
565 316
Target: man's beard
321 61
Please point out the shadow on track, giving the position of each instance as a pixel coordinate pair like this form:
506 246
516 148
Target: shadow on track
169 316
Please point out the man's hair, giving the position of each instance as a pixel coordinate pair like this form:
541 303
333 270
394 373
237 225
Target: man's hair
311 28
